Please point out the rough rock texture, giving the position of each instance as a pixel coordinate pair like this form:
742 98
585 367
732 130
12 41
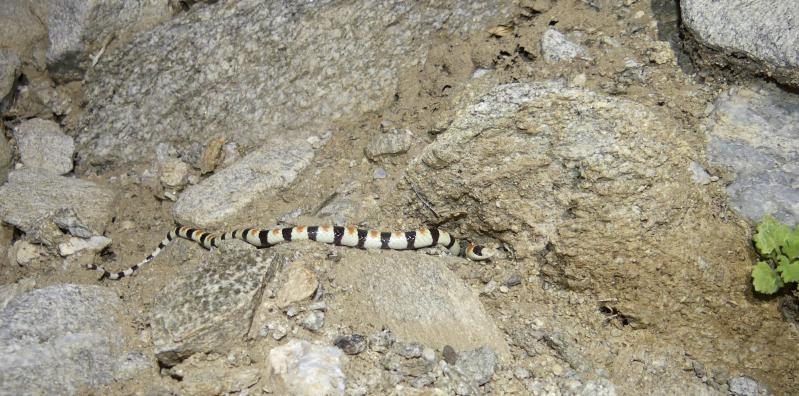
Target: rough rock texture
764 32
418 299
42 145
300 368
6 156
77 28
754 132
599 188
257 68
394 142
9 71
92 203
231 191
60 340
8 292
212 306
22 31
555 47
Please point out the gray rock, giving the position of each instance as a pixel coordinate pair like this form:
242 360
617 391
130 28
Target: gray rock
351 344
478 364
763 31
211 307
300 368
382 340
231 191
313 320
271 67
66 219
9 71
395 142
7 292
555 47
391 287
92 203
745 386
754 132
22 31
42 145
61 340
79 29
408 350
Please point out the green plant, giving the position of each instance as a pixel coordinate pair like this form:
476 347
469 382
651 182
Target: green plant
778 247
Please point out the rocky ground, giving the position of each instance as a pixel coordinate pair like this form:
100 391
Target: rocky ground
617 152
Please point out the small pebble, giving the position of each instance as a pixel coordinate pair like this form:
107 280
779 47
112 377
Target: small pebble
429 354
514 280
313 320
380 173
380 342
278 330
503 289
490 287
450 356
408 350
351 344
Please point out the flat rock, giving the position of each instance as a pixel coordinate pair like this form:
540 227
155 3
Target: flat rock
230 192
212 306
78 28
259 69
418 298
42 145
394 142
31 195
300 368
754 132
62 339
764 32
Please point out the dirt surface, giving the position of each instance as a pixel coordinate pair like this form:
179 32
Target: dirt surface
625 322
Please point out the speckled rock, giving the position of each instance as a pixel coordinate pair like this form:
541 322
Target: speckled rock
745 386
62 339
598 187
472 369
256 177
79 28
754 132
764 32
417 298
555 47
211 307
42 145
271 67
92 203
300 368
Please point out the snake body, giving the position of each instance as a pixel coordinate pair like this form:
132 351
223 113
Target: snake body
336 235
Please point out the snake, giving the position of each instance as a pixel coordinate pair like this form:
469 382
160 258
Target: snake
349 236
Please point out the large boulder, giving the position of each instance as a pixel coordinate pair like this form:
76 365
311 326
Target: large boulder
758 35
250 70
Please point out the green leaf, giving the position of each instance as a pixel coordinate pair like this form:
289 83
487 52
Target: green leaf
791 246
770 236
789 272
765 279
